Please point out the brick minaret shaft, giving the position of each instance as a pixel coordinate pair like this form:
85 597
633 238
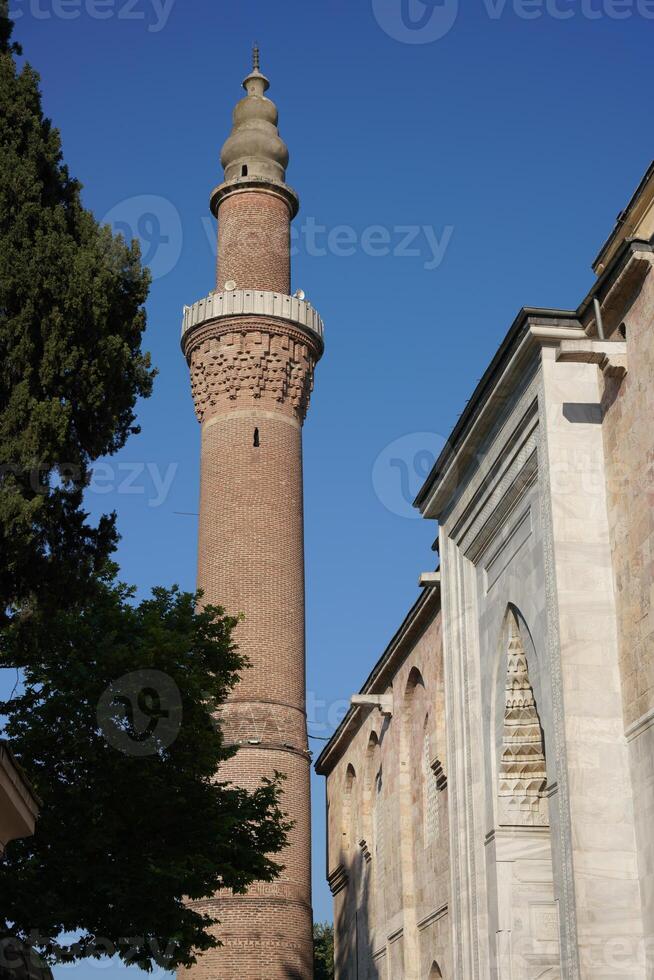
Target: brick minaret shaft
251 349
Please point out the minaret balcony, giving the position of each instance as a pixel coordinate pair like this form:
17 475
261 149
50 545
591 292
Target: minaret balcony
253 302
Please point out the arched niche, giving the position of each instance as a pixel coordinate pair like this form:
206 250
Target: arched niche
348 819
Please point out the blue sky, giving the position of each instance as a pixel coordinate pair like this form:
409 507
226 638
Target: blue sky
449 172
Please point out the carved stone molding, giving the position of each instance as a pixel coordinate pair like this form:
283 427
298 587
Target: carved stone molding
522 772
252 302
253 364
496 478
504 500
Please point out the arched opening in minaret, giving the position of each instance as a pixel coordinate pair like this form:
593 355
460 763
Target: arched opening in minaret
244 170
256 442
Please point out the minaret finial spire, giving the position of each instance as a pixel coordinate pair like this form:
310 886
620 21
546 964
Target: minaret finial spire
255 57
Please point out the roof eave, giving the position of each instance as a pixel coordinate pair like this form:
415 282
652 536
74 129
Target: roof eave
427 603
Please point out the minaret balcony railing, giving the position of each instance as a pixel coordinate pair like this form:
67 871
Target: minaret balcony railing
256 302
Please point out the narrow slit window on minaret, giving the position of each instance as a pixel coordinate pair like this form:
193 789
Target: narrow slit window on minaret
256 439
244 170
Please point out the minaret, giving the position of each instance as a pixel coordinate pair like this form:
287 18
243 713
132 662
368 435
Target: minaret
251 348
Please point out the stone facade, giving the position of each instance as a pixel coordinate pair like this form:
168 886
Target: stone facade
627 411
388 852
544 498
251 350
18 805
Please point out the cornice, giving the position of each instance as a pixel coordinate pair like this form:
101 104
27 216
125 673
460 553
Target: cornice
628 220
533 328
249 309
516 359
18 778
261 184
246 324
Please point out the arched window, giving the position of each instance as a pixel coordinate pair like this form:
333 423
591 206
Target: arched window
372 768
348 827
413 751
435 971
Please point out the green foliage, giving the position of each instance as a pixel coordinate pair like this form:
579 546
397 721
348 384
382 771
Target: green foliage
71 324
115 722
323 951
131 825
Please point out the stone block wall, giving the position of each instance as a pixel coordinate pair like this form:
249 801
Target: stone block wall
628 430
388 827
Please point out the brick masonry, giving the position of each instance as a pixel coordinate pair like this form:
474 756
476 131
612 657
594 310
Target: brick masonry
251 379
254 246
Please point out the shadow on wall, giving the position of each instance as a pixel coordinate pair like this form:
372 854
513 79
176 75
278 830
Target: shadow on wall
355 954
299 971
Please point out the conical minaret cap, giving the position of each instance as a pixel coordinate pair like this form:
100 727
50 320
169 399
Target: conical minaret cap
254 148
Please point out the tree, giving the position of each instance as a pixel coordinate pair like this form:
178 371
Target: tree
323 951
116 728
115 722
71 324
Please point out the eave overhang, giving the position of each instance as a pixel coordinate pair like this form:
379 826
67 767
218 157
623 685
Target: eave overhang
532 327
628 220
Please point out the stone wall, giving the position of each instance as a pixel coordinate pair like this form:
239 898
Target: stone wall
628 413
388 826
